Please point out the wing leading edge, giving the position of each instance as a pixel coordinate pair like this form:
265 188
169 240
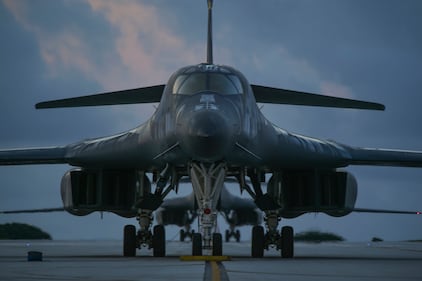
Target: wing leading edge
43 155
381 211
384 157
44 210
139 95
265 94
262 94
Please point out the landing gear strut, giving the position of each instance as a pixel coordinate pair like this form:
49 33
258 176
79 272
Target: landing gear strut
207 182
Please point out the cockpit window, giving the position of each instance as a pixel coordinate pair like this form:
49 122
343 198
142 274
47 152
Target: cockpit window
189 84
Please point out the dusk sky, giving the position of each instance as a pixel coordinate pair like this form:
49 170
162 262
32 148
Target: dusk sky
360 49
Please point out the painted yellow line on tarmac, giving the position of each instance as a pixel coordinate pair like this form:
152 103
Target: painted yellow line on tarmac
215 271
205 258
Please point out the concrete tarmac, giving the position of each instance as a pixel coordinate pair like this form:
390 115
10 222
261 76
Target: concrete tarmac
102 260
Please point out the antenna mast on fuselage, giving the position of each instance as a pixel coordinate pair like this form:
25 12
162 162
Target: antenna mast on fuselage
209 41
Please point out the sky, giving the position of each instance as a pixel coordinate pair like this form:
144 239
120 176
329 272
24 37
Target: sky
368 50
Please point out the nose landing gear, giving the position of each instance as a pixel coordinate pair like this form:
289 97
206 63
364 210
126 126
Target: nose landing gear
217 244
207 182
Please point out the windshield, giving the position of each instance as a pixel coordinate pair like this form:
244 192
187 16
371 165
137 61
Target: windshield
189 84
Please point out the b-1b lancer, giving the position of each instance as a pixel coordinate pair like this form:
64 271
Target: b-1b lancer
208 127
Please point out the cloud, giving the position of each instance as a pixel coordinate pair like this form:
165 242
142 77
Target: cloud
66 50
296 73
19 11
133 46
61 50
145 46
142 50
336 89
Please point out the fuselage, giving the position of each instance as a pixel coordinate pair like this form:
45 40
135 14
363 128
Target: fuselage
207 114
211 113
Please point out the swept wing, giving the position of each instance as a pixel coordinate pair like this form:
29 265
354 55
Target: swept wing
139 95
43 210
43 155
385 157
262 94
265 94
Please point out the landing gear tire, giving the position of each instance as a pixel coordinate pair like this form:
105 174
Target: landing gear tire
182 235
129 241
197 244
257 241
287 242
159 241
217 244
237 235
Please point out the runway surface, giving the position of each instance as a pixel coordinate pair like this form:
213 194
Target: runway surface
102 260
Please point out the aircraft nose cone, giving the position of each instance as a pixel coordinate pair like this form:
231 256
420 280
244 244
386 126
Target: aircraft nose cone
208 136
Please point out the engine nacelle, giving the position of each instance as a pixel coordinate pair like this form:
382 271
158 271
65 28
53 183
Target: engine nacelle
300 192
87 191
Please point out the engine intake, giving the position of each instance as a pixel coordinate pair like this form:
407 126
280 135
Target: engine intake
300 192
87 191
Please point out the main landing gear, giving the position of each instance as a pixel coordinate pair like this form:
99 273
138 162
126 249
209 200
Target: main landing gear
232 233
146 204
207 182
184 233
133 240
283 240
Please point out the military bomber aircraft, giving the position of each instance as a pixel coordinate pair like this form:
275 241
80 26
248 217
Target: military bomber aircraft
208 127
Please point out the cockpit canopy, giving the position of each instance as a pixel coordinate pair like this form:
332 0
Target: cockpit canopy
210 78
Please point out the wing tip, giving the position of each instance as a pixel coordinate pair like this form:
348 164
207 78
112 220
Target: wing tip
40 105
